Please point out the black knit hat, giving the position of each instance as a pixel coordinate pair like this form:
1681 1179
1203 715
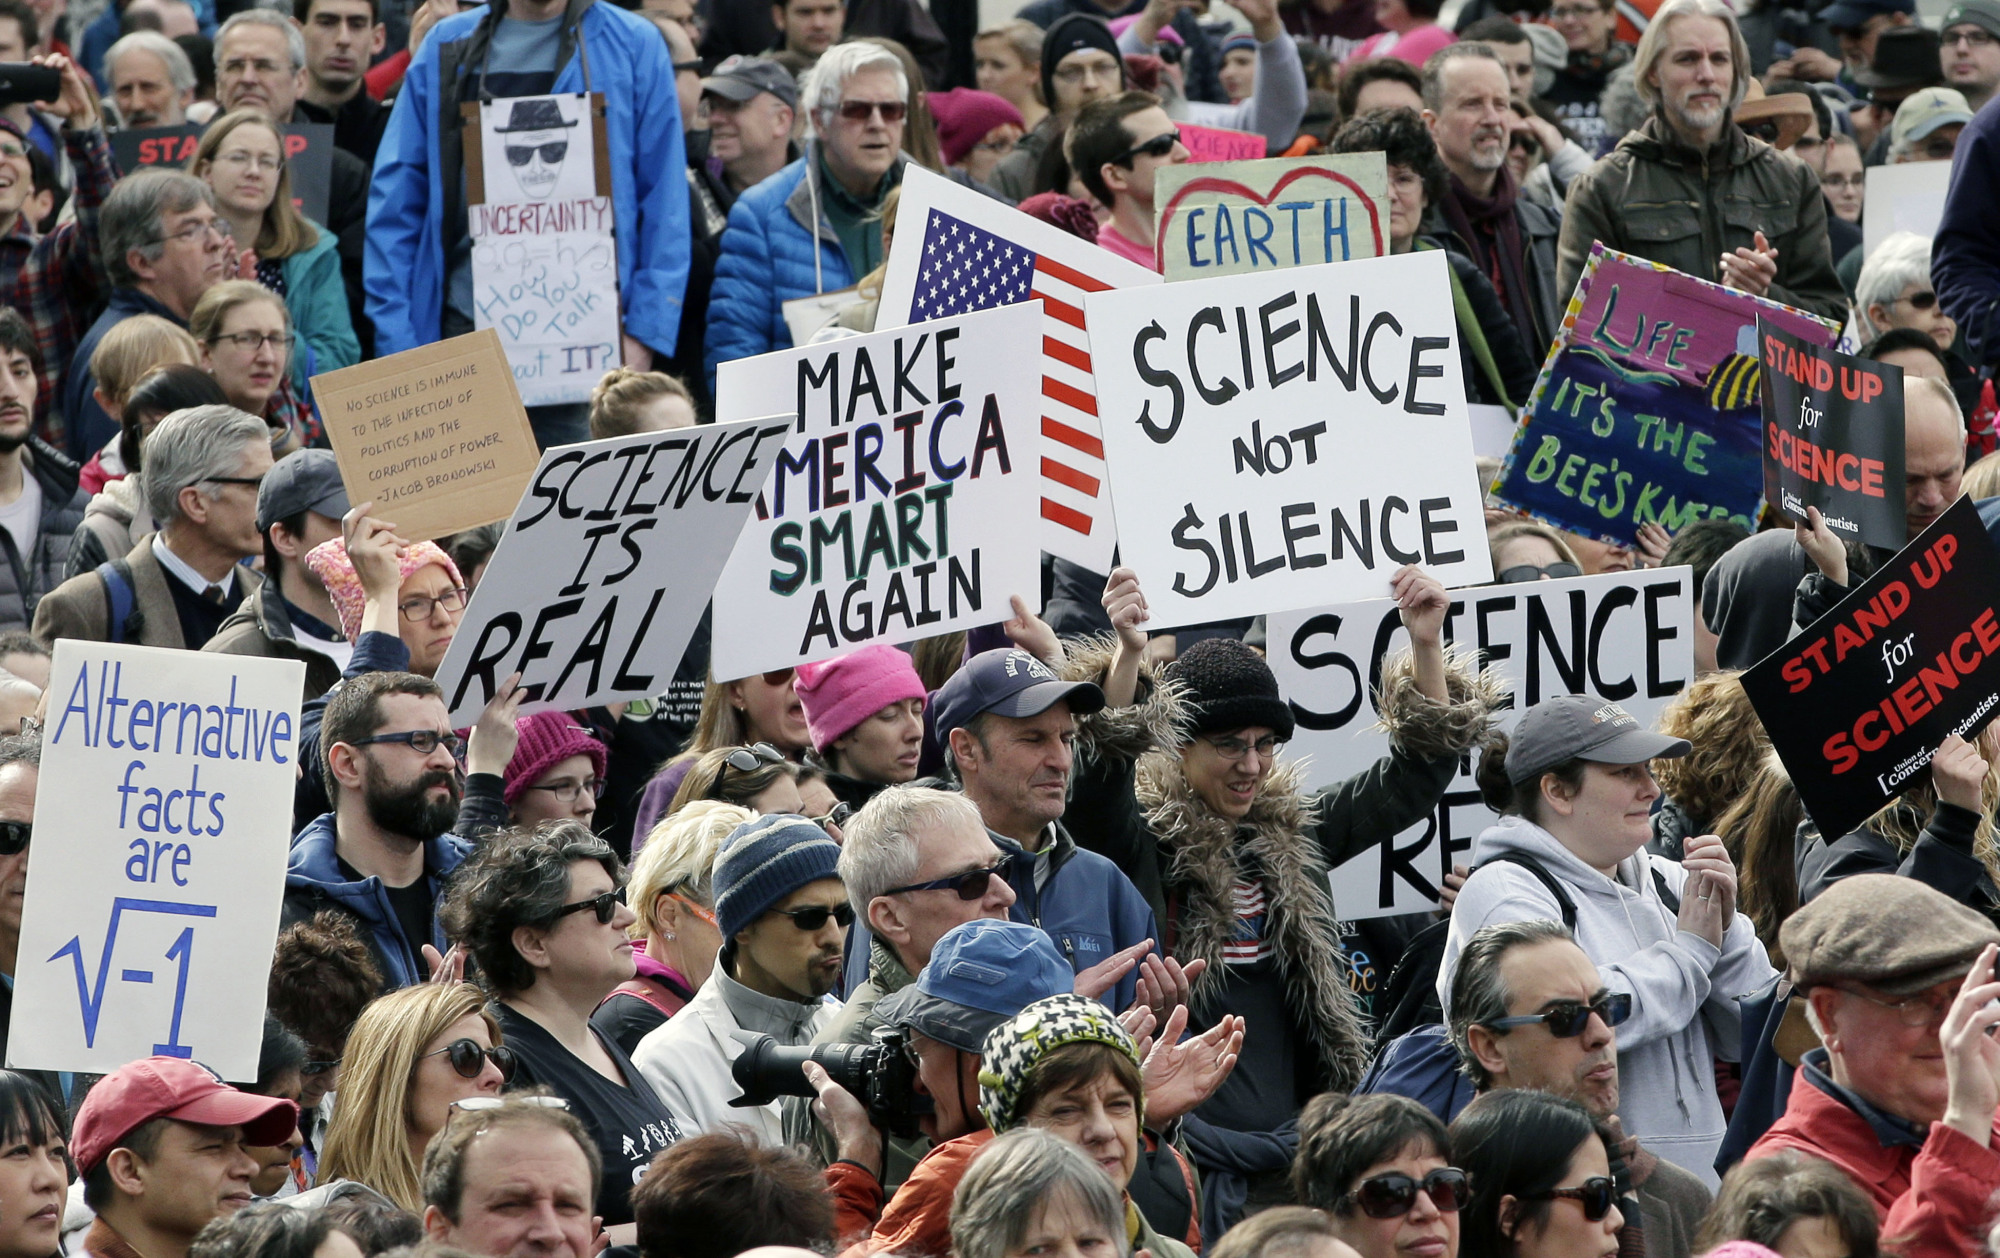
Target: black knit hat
1229 686
1073 33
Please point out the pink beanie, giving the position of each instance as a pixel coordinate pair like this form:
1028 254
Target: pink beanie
329 562
1741 1249
548 739
964 116
840 693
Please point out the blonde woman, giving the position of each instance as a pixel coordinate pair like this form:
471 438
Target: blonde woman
411 1054
760 708
123 358
627 402
668 887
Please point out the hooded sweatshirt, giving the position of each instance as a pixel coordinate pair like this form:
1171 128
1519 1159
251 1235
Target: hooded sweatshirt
1684 989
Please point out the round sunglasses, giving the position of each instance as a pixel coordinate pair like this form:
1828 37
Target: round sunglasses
1391 1196
1596 1195
469 1058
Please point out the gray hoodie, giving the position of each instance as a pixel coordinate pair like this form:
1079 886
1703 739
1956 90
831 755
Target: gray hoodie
1684 989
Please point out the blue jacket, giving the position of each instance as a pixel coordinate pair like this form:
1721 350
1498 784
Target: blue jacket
316 295
1965 253
628 62
86 426
314 881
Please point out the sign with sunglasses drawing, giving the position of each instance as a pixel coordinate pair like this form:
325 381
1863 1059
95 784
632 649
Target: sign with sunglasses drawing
544 251
903 504
1227 218
1833 438
163 809
600 579
1627 636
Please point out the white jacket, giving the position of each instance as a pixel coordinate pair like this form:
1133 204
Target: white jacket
1684 990
687 1061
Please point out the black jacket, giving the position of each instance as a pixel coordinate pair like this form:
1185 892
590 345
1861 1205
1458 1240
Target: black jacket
261 626
1941 858
25 578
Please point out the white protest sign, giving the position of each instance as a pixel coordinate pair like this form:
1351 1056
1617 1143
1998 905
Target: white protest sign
1493 429
901 504
1627 637
1226 218
1905 197
605 568
1279 439
544 252
162 823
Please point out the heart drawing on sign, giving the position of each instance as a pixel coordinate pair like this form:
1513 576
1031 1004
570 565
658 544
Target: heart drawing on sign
1219 186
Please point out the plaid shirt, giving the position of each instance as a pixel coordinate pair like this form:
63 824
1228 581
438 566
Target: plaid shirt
62 286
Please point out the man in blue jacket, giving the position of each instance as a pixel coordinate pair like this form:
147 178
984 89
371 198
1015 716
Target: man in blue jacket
419 255
1965 254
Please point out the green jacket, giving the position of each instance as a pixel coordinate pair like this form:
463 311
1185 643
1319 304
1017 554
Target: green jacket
1658 199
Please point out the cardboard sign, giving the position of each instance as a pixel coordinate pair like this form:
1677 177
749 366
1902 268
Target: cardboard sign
1226 219
308 155
435 435
163 816
1280 438
1220 144
1833 438
1626 636
599 582
1905 197
544 251
1857 703
1020 259
1647 410
897 507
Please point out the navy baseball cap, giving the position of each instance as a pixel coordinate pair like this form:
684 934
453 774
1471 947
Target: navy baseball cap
981 974
304 480
740 78
1849 15
1010 682
1582 727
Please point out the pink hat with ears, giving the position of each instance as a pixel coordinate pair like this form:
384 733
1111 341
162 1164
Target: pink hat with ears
840 693
329 562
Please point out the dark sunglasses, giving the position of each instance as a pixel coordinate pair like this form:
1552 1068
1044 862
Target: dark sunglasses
815 917
469 1058
1392 1196
1567 1019
1597 1195
838 817
1529 572
744 760
858 110
970 885
522 154
1921 301
1159 146
777 677
604 904
14 836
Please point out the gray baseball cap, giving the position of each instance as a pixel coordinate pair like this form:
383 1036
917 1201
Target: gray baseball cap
739 78
304 480
1582 727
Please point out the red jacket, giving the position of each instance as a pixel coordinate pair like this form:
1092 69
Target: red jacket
1931 1200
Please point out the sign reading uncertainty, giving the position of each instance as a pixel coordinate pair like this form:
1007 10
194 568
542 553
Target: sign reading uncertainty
586 596
1626 636
1833 438
1230 217
1857 703
1278 438
900 505
164 809
435 435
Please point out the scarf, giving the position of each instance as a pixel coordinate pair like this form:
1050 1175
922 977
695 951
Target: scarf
1490 229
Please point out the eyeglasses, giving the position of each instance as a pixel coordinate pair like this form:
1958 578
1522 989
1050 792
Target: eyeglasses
1920 301
1159 146
1566 1019
745 760
418 607
814 918
245 65
14 149
1911 1011
1939 148
1391 1196
566 792
604 904
1972 36
892 111
522 154
1080 71
258 161
252 481
469 1058
838 817
1843 182
1267 747
312 1068
14 836
1574 13
696 909
421 741
475 1104
1526 142
194 231
1596 1194
970 885
251 342
1529 572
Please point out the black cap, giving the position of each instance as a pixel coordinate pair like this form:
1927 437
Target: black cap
1582 727
1905 57
739 78
304 480
1007 682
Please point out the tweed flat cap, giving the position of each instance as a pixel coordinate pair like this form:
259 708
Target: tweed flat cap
1890 933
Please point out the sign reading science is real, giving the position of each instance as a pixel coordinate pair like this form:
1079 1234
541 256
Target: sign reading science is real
1284 439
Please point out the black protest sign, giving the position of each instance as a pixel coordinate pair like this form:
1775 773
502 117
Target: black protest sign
308 155
1833 438
1857 704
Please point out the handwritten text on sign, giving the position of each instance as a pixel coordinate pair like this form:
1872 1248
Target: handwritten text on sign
1624 636
1231 217
163 808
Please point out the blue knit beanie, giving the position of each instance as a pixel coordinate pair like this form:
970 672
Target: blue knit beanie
765 860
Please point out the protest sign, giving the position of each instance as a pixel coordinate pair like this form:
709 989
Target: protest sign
1220 144
308 156
435 435
1833 438
163 816
1228 218
1857 703
1902 197
1280 438
1627 637
1647 409
544 253
1492 429
896 508
1019 259
600 579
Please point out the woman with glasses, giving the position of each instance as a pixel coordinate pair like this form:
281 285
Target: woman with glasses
1380 1166
556 772
1843 179
242 157
758 777
761 708
1527 550
1541 1177
245 334
1590 28
540 914
410 1056
1575 791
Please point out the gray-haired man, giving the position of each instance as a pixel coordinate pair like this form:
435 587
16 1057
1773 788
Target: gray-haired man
151 80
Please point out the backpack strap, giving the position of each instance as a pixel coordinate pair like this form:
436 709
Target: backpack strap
1548 881
1667 896
118 597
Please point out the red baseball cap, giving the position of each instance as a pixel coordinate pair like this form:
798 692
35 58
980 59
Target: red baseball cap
170 1087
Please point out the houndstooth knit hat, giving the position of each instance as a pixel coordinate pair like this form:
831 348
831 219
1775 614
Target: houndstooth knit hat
1017 1046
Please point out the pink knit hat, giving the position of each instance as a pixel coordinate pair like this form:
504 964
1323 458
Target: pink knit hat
548 739
1741 1249
329 562
964 116
846 690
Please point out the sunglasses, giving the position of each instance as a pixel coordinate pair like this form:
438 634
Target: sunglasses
1159 146
744 760
1566 1019
1529 572
14 836
1920 301
1596 1195
469 1058
970 885
1392 1196
522 154
815 917
838 817
604 904
892 112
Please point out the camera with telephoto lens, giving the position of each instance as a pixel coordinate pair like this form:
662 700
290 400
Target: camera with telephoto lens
880 1074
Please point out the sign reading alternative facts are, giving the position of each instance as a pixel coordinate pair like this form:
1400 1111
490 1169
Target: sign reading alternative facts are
1858 702
903 504
1276 439
598 583
1833 438
162 819
1226 218
1625 636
